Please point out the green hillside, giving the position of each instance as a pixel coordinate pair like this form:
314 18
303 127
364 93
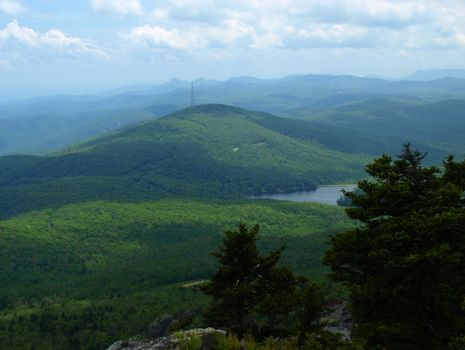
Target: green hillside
92 273
50 131
436 127
212 151
43 124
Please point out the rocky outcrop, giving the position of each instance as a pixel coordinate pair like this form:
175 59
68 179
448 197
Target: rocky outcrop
168 323
205 338
159 336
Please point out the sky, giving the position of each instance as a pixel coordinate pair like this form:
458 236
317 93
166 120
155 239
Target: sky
88 46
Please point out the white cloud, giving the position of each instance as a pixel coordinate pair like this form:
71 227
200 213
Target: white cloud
10 7
373 13
384 13
24 35
296 24
119 7
53 39
57 39
230 32
158 36
331 35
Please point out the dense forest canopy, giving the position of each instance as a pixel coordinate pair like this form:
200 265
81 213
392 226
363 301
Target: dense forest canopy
209 151
102 271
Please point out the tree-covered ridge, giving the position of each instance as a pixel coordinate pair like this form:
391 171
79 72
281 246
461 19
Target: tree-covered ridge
104 236
205 151
436 127
47 123
119 260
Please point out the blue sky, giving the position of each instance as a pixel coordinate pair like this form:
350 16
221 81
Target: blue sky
86 46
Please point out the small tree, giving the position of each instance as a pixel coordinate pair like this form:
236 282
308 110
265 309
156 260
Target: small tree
405 266
251 294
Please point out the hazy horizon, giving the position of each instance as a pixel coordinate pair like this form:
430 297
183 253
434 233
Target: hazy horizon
49 47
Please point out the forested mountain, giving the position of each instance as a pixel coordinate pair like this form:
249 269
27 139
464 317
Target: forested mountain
436 127
44 124
213 151
83 272
86 275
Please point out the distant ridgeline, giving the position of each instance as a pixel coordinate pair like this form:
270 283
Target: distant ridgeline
208 151
388 111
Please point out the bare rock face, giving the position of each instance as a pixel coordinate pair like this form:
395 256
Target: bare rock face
162 343
205 338
136 345
167 323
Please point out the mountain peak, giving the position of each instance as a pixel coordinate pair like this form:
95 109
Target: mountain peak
211 108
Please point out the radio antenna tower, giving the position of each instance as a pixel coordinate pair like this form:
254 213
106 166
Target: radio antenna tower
192 94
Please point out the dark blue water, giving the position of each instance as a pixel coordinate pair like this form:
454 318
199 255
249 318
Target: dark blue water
323 195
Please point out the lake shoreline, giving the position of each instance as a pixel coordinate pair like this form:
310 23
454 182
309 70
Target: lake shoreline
323 194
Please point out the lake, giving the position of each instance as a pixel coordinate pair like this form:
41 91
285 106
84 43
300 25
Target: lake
323 195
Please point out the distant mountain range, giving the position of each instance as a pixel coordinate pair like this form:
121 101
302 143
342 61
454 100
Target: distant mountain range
43 124
436 127
435 74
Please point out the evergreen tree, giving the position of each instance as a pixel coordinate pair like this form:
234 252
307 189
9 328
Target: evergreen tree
251 294
404 266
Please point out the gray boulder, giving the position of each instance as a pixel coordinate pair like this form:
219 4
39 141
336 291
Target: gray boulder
168 323
206 337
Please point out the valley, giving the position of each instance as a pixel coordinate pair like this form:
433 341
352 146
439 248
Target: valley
110 205
112 267
209 151
232 175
